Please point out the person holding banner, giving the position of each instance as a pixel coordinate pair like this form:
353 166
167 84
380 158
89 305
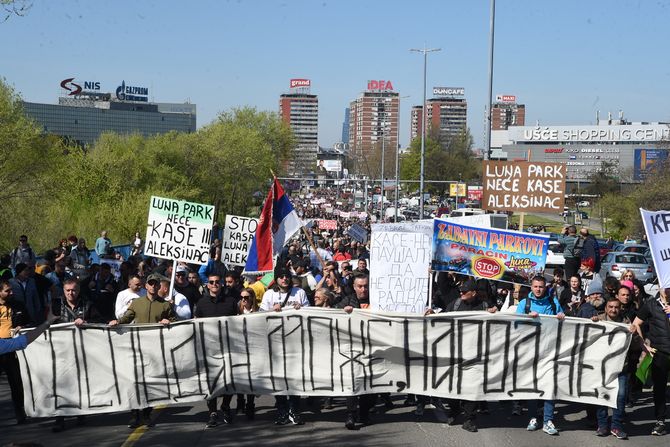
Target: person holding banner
539 302
147 309
217 301
285 296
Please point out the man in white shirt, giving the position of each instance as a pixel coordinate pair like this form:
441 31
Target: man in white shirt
284 296
178 300
124 297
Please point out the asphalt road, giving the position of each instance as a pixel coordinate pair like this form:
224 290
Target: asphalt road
184 424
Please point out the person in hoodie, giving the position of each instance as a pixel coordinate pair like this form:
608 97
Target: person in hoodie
540 302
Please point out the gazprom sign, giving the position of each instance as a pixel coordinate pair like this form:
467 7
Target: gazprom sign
132 93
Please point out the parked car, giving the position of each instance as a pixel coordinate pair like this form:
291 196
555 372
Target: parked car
616 262
634 248
555 255
583 203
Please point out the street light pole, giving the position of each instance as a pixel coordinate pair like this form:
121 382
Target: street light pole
381 206
489 113
425 52
397 162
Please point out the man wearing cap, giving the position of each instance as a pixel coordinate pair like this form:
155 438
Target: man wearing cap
184 286
285 296
536 303
217 301
594 301
468 301
147 309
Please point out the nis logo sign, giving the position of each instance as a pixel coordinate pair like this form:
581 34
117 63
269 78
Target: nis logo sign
382 86
295 83
76 89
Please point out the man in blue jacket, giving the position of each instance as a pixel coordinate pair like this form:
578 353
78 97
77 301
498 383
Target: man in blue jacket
539 302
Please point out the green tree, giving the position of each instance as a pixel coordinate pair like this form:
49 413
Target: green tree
605 180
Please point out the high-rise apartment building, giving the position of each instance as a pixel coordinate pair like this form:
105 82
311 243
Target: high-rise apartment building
373 118
505 112
300 110
446 115
345 127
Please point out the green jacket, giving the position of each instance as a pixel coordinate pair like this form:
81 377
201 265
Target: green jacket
143 310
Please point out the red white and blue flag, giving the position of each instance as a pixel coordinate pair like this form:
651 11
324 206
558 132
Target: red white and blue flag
277 224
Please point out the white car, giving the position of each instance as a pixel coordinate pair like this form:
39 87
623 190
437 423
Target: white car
584 203
555 255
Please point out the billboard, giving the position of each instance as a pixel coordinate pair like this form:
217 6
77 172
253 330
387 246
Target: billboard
380 86
644 161
329 165
523 186
295 83
511 99
457 190
448 91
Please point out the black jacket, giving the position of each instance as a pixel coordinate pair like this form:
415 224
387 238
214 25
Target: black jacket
20 316
223 305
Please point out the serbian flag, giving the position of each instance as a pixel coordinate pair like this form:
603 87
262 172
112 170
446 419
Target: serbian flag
277 224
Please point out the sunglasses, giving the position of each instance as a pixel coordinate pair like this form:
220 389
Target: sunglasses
245 297
180 274
283 277
153 282
213 283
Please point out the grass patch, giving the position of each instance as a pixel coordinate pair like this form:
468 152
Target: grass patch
530 219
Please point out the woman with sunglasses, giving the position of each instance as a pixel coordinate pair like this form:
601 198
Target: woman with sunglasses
247 305
628 275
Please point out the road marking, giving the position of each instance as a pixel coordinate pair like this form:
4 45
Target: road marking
139 431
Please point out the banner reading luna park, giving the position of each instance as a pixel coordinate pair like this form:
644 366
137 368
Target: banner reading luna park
502 255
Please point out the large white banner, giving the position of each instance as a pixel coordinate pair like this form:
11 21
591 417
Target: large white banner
657 227
323 352
237 236
179 230
400 256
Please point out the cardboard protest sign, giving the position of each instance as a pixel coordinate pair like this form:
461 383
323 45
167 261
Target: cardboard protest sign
358 233
399 262
503 255
657 227
322 352
237 235
325 224
179 230
523 186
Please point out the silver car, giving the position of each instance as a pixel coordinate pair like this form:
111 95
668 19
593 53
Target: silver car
614 263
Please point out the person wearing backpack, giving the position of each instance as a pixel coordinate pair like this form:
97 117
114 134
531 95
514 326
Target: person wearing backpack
23 253
539 302
572 258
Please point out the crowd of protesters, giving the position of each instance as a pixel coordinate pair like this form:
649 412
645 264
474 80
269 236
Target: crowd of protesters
324 268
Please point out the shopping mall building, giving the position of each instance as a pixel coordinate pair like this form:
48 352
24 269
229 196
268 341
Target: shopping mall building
633 148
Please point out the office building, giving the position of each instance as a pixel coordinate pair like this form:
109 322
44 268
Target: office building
505 112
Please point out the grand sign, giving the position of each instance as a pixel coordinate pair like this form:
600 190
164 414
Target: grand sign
295 83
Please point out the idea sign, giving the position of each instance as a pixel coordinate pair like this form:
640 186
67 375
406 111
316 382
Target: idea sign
380 85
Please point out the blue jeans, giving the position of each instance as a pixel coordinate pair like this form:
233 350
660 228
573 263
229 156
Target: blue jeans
620 410
548 409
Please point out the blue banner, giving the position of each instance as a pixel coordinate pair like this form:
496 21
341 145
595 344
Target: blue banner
502 255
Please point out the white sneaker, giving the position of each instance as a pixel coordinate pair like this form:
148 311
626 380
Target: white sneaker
532 425
549 428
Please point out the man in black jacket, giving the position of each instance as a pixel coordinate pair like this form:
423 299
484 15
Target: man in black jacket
217 301
468 301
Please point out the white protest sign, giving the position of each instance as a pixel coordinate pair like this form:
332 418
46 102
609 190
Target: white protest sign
400 256
179 230
657 227
323 352
237 236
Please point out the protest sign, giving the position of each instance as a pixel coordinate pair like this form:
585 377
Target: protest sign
237 236
179 230
399 261
114 265
503 255
358 233
523 186
476 220
325 224
657 227
323 352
